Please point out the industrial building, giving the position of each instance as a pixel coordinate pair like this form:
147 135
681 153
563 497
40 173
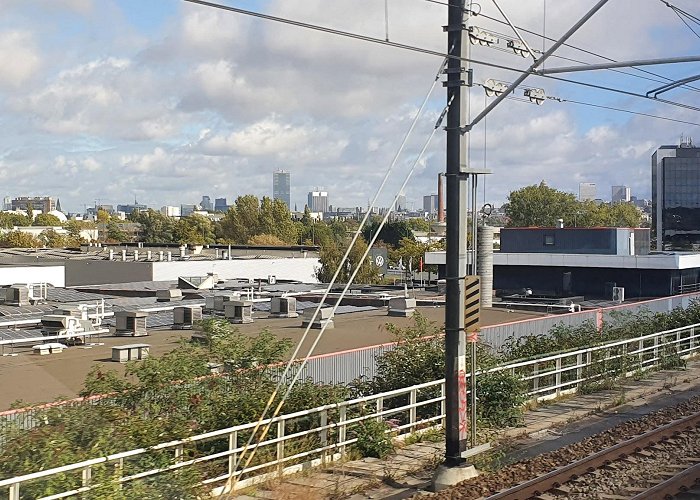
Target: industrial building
589 262
138 263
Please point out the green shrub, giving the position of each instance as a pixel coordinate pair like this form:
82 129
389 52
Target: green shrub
500 399
373 439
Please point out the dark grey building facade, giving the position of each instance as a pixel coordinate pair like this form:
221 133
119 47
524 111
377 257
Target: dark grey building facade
675 195
281 187
591 241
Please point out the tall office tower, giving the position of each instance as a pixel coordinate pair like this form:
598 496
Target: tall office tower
621 194
430 203
206 204
318 201
220 205
675 195
586 191
281 187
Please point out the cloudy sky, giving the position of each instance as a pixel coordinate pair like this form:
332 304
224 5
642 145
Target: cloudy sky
164 101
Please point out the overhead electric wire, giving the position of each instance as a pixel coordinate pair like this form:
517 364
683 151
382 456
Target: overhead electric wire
611 108
620 91
351 279
347 34
601 106
680 16
330 285
678 9
659 79
586 51
433 52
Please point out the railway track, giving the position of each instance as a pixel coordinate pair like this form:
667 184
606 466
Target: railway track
655 457
554 480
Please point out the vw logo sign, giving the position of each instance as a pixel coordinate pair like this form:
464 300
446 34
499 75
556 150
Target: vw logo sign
379 260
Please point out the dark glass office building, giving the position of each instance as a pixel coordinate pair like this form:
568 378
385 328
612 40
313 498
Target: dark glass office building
281 187
675 195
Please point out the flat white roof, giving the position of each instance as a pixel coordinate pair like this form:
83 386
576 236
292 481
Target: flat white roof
652 261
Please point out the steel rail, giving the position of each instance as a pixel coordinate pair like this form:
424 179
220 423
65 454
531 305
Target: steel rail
680 483
556 478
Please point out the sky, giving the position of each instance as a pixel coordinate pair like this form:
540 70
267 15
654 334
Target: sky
163 101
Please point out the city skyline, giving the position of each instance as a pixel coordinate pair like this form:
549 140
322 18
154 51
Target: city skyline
135 88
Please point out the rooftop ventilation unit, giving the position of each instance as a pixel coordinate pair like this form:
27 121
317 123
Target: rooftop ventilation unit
284 307
184 317
618 294
322 318
239 311
130 323
70 327
17 295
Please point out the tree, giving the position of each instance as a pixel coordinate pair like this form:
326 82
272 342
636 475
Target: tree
74 227
115 233
19 239
331 255
155 227
50 238
266 240
625 215
250 217
539 205
416 224
410 250
391 234
266 220
285 228
241 222
46 220
194 229
102 215
8 220
542 206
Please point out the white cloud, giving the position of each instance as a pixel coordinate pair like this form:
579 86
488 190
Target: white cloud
213 101
19 58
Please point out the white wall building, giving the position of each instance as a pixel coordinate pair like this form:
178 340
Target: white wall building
587 191
170 211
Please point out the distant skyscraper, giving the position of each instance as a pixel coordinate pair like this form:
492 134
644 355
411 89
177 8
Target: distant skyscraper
430 203
206 204
401 203
675 195
220 205
586 191
318 201
281 187
621 194
7 203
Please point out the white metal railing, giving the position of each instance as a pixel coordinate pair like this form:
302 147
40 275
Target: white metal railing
321 435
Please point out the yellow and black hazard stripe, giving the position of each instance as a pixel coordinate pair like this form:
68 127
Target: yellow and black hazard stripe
472 299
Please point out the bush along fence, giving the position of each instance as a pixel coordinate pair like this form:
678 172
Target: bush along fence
156 463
